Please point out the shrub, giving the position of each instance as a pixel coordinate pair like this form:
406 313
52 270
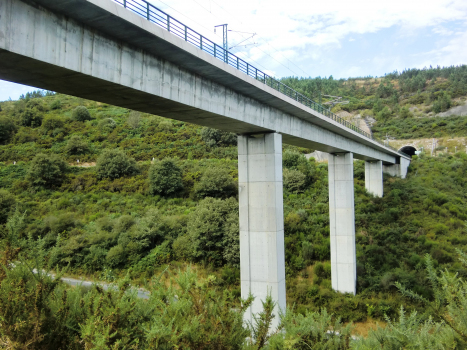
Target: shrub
216 183
7 202
107 125
52 122
31 117
134 120
405 113
56 104
183 247
213 230
166 125
7 129
76 145
165 178
114 163
215 137
116 257
294 180
46 170
81 114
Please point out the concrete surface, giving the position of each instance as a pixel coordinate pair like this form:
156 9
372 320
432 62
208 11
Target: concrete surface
342 223
98 50
262 257
374 177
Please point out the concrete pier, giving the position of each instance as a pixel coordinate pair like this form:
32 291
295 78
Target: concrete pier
342 223
262 259
374 177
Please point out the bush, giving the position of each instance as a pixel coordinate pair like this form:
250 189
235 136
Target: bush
47 170
76 145
134 120
165 178
31 117
294 180
81 114
405 113
7 129
116 257
213 230
52 122
216 183
7 202
56 104
215 137
107 125
114 163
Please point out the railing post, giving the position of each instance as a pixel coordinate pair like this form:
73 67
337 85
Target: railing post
168 23
201 42
256 73
147 9
186 34
124 3
215 50
247 69
237 63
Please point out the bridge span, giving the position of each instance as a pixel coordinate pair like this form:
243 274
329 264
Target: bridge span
100 50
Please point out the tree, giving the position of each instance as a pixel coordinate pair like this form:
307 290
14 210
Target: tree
7 129
114 163
216 183
81 114
76 145
47 170
165 178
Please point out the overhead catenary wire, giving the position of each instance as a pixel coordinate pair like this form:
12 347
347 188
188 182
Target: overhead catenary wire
267 54
259 36
208 29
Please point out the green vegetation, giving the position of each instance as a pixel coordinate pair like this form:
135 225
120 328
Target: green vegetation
114 163
403 103
165 178
128 219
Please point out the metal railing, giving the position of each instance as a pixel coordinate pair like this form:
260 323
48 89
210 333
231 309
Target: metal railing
162 19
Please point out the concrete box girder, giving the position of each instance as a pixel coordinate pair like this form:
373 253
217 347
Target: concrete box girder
110 54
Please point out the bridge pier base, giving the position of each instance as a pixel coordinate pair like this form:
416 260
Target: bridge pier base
374 177
399 170
262 257
342 223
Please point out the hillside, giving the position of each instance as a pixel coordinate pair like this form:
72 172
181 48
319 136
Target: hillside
105 225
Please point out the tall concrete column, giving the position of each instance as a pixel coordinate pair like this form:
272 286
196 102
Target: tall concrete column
342 222
374 177
262 258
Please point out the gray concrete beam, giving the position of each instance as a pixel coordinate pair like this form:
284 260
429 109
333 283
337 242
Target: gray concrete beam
49 50
342 223
262 257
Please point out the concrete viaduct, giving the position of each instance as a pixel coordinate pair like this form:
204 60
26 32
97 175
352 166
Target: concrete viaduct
99 50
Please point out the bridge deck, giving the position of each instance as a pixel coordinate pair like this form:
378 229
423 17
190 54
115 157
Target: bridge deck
118 24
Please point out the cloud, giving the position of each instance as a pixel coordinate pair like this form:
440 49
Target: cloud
298 30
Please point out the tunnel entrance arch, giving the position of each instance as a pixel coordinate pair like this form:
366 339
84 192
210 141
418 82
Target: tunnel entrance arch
409 150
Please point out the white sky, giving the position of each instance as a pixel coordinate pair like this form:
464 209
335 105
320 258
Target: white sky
333 37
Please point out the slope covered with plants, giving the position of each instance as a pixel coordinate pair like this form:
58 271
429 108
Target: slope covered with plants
150 196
